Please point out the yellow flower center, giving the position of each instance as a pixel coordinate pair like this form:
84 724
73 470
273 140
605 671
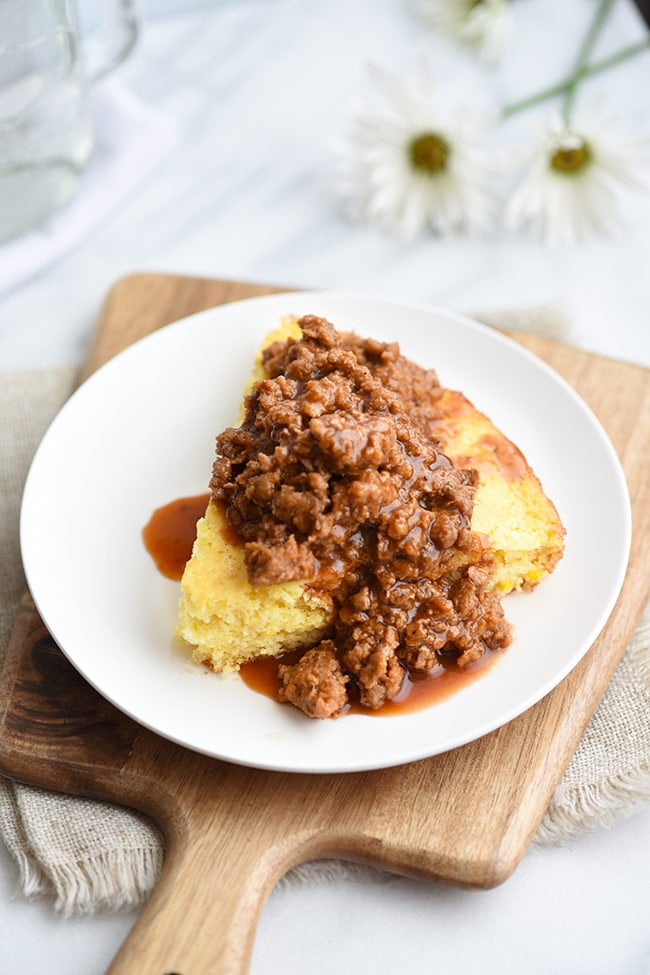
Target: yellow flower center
571 158
429 153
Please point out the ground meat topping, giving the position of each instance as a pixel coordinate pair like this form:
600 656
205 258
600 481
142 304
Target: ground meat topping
334 479
316 684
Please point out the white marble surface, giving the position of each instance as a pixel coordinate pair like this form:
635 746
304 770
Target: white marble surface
258 89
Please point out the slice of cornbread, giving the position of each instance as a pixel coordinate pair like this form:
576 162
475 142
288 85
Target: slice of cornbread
226 620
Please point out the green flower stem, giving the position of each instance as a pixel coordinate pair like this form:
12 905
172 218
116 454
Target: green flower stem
602 13
588 71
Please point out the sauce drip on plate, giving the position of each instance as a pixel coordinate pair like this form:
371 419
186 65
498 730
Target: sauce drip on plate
419 690
170 532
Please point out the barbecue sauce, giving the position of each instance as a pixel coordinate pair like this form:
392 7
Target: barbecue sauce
170 532
419 690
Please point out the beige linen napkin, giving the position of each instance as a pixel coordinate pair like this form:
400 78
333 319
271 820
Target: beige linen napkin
95 856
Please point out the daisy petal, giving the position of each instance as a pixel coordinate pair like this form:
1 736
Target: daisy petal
573 180
407 163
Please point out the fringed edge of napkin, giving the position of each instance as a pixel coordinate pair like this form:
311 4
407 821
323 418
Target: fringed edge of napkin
577 810
31 882
595 805
110 881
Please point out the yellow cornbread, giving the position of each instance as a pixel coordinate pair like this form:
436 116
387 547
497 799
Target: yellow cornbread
226 620
510 507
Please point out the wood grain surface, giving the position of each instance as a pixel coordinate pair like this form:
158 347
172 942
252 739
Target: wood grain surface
465 817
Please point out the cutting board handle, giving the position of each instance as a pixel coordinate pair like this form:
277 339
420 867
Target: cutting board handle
202 917
232 833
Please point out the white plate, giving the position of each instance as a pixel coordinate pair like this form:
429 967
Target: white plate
140 433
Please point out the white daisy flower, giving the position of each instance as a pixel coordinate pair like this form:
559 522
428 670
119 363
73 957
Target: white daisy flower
486 25
574 179
407 163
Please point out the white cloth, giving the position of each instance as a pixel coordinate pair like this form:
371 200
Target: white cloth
131 141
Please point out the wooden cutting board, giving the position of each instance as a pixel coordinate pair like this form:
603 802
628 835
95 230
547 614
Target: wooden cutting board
465 817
